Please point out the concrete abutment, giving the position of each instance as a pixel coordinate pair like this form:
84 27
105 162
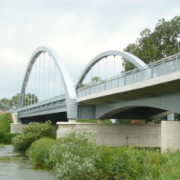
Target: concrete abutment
116 134
164 136
170 135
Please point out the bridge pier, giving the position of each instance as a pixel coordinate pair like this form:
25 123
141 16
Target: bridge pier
164 136
16 128
116 134
170 135
101 121
72 121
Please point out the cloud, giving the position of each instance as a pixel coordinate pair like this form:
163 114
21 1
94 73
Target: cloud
78 30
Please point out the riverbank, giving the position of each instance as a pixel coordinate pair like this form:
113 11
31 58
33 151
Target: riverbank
76 156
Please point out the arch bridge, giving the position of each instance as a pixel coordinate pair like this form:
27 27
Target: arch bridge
47 90
103 90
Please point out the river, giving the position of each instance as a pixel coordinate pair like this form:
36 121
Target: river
15 166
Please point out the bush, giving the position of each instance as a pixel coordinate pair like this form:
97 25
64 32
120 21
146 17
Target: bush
170 169
138 163
39 151
5 136
2 145
30 133
74 156
127 163
1 137
5 120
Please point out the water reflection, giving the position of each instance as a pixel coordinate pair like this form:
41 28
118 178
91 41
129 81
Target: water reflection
15 166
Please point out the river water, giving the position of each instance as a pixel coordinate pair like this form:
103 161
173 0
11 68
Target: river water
15 166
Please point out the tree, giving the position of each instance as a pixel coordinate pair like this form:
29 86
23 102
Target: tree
4 104
96 79
30 99
14 101
152 46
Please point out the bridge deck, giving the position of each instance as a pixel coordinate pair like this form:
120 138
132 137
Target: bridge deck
163 67
169 83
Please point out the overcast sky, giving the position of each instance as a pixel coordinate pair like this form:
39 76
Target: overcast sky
77 29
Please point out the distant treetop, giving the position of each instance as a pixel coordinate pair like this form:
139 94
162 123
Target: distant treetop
152 46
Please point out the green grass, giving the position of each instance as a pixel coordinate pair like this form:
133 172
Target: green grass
92 121
5 136
71 152
139 163
108 121
87 120
32 132
5 120
39 151
1 145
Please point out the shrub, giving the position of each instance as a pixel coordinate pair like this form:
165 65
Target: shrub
2 145
39 151
5 120
74 156
1 137
75 168
139 163
170 168
126 164
130 163
5 136
30 133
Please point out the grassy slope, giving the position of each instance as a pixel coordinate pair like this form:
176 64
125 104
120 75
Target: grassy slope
5 136
5 120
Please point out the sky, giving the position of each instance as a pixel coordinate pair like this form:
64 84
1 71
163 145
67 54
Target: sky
78 30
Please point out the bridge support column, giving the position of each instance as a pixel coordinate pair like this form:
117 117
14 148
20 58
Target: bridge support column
101 121
16 127
115 135
170 117
170 135
72 121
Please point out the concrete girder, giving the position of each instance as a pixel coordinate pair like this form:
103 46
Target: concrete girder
161 105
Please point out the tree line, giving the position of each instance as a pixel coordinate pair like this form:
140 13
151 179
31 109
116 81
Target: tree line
13 103
152 46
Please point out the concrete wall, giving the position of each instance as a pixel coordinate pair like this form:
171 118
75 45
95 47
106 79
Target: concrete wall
16 127
166 135
14 117
118 135
170 134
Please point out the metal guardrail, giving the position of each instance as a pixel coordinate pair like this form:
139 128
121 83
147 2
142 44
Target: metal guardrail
45 102
158 68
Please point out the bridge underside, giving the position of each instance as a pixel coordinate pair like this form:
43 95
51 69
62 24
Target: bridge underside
53 110
151 99
148 113
55 117
119 112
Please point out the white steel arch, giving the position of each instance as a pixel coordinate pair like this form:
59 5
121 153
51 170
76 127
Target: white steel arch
130 57
70 93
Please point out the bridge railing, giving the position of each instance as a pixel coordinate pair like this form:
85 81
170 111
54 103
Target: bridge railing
158 68
45 102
